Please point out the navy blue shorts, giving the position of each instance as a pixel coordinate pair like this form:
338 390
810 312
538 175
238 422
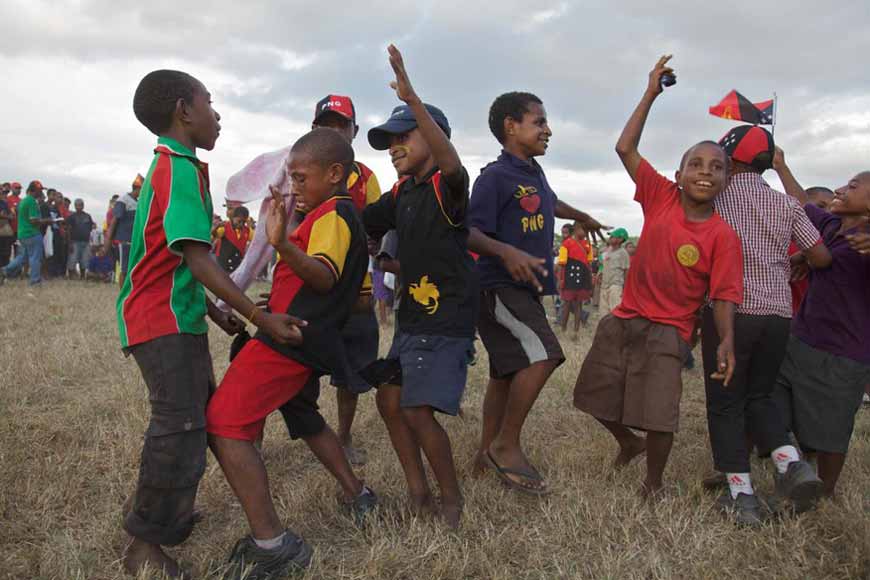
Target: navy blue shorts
361 338
434 369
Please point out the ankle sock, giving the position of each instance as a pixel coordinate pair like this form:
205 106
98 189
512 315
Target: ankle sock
270 544
739 483
783 456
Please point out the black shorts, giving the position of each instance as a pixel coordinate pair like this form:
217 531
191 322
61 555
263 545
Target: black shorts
302 413
361 338
819 394
514 329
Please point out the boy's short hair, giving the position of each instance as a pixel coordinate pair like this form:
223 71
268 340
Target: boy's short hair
706 142
514 105
241 211
156 96
326 147
819 190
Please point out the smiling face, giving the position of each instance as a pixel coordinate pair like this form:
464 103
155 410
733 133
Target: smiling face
703 173
530 135
202 120
409 152
853 199
310 180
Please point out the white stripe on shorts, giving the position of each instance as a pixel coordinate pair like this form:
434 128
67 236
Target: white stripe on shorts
530 341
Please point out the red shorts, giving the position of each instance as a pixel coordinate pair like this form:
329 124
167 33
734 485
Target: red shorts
257 383
575 295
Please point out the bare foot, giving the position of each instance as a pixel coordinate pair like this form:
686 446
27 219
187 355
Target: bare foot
451 513
140 554
652 492
478 464
626 454
421 505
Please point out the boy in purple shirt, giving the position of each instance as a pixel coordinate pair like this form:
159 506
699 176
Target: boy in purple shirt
821 381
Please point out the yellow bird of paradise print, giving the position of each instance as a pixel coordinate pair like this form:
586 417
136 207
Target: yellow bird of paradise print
426 293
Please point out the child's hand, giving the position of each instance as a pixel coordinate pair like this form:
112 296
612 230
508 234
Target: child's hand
276 219
402 84
285 329
860 242
229 323
655 76
524 267
725 362
778 159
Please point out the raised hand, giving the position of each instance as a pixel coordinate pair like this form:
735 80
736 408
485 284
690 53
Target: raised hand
655 76
402 84
276 219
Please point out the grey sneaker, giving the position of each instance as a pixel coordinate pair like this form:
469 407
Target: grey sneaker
250 562
745 508
362 505
800 484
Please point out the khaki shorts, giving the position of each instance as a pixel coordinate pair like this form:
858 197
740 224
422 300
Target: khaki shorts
632 374
610 299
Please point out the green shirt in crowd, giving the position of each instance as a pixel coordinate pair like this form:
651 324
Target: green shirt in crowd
28 209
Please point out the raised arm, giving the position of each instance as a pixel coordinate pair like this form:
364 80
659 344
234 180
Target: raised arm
791 185
590 224
817 256
443 151
626 146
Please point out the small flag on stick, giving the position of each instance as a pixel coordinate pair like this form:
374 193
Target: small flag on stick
736 107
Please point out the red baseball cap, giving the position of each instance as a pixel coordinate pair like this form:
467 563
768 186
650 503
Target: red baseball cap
16 185
747 143
337 104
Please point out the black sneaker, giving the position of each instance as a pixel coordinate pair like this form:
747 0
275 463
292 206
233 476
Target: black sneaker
250 562
800 484
362 505
745 508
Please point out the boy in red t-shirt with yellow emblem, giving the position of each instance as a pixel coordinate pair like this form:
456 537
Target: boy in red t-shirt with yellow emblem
686 253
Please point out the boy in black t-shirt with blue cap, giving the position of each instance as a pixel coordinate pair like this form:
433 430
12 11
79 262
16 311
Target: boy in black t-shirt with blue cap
436 317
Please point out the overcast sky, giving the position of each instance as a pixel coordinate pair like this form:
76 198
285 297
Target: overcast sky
69 69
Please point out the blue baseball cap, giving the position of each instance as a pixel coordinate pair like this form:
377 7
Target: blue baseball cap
401 121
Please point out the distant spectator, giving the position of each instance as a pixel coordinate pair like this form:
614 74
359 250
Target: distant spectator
124 214
29 223
7 234
100 266
80 225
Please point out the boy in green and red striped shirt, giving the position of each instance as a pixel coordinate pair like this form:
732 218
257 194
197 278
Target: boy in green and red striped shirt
162 309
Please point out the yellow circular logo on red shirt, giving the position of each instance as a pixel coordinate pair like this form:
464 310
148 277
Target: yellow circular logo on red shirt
688 255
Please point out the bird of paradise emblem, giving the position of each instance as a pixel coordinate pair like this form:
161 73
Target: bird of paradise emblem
426 293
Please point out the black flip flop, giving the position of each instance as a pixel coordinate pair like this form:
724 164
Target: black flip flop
504 472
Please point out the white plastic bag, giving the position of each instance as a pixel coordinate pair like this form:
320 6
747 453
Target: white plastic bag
48 242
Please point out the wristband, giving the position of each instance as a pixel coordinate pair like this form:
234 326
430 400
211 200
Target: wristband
253 315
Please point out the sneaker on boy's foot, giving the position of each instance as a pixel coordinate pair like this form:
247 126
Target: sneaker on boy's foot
800 484
745 508
249 561
362 505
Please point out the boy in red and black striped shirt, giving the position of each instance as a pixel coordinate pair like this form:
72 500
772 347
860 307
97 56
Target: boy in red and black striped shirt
323 263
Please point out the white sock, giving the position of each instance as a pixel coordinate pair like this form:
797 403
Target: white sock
270 544
739 483
783 456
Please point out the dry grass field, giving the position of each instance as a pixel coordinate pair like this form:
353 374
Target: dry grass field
73 410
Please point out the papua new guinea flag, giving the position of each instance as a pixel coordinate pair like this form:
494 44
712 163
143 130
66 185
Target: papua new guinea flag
736 107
